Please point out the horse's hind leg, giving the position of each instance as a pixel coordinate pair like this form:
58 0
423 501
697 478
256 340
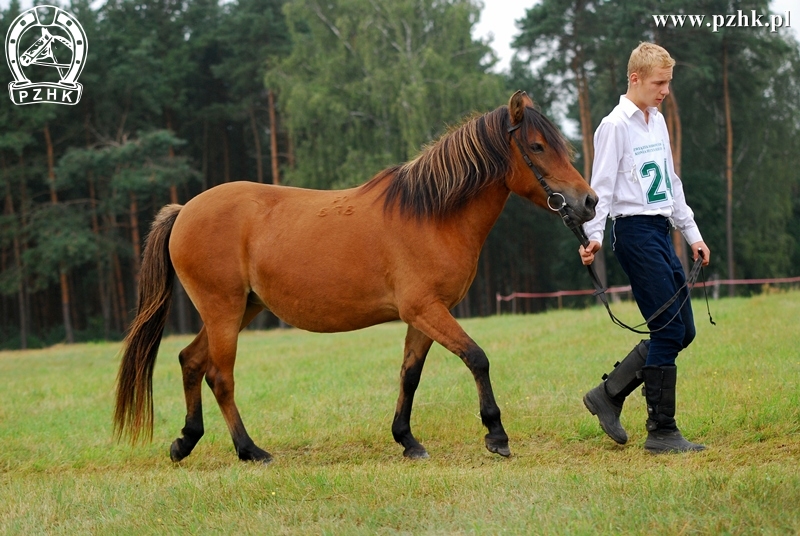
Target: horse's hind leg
437 323
416 349
194 362
222 342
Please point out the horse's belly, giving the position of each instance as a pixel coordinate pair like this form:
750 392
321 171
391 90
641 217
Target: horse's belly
323 290
319 311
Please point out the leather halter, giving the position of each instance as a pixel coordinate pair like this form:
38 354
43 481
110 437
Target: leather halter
568 220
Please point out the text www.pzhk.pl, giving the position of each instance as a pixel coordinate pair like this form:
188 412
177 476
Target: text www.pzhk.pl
738 20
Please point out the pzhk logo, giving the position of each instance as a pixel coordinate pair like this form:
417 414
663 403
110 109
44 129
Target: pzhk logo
41 49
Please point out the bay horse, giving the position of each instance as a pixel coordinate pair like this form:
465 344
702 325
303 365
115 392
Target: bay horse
404 245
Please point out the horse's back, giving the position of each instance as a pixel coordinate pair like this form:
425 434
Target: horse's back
267 219
318 259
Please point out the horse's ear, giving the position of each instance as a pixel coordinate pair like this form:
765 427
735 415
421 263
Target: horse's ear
517 104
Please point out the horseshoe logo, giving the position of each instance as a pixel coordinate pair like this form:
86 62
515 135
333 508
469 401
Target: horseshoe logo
35 46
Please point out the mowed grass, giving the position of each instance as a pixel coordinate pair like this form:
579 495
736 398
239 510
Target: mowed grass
323 406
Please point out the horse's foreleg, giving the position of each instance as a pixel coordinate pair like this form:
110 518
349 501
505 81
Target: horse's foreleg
194 361
416 349
437 322
222 339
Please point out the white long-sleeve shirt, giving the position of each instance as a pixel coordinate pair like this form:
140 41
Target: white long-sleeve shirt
633 172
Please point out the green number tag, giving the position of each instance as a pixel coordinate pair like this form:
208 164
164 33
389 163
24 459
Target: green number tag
656 193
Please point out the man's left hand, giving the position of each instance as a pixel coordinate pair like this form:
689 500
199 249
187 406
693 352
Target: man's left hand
697 247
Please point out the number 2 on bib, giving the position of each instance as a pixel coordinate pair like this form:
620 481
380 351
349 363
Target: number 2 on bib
660 188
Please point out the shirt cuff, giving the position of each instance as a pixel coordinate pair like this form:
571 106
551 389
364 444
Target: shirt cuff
597 236
692 235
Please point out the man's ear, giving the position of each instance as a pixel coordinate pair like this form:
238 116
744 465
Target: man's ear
516 106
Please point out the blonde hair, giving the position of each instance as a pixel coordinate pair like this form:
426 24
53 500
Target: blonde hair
647 57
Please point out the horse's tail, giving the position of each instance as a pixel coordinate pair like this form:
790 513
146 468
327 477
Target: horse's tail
134 411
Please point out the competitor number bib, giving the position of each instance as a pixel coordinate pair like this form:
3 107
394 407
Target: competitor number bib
652 173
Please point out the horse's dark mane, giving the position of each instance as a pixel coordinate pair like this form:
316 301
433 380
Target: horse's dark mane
455 168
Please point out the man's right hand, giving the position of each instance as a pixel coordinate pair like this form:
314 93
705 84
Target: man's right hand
587 253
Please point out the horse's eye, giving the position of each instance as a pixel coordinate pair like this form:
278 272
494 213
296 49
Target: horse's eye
537 147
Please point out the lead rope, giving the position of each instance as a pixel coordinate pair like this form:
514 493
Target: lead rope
600 290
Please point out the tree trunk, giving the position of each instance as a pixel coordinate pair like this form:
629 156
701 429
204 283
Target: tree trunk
5 310
105 302
51 174
673 119
257 144
135 237
173 190
23 314
728 165
226 157
51 177
180 293
205 183
273 138
23 218
587 143
122 306
586 120
65 305
102 276
290 152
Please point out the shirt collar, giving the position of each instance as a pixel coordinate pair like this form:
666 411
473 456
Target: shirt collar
630 108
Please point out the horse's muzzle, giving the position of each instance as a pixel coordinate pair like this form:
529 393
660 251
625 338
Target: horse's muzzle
583 208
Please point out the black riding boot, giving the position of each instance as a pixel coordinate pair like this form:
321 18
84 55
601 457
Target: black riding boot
659 392
606 399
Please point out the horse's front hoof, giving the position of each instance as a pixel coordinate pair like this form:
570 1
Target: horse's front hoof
176 454
498 446
416 453
257 455
263 461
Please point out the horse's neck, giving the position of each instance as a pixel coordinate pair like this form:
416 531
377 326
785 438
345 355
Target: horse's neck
480 214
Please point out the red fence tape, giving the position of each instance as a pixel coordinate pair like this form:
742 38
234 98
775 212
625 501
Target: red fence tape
618 290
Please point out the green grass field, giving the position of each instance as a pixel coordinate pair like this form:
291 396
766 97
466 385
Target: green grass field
323 405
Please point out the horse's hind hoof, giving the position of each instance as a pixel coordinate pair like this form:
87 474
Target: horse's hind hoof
416 453
498 446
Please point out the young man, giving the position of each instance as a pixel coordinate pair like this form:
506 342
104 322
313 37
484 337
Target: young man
635 179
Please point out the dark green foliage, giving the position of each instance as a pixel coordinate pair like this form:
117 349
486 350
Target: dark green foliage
367 84
173 93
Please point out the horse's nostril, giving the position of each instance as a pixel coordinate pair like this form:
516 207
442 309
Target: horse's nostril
591 201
